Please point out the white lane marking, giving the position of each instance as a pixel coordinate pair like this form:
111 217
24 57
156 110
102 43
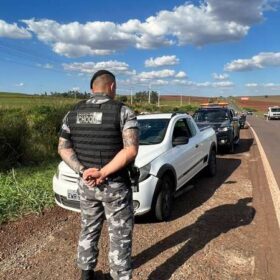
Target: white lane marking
273 186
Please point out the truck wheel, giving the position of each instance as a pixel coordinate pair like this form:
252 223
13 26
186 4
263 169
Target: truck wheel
164 200
211 168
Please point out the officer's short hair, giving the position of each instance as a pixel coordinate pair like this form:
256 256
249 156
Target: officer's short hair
100 73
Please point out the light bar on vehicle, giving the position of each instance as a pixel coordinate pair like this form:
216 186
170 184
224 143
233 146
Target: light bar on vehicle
218 104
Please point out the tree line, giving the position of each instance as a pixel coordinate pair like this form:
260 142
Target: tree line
138 97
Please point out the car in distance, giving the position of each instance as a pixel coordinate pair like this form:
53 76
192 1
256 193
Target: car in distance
172 150
224 122
273 113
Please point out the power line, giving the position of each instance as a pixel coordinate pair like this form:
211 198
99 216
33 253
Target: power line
32 65
26 53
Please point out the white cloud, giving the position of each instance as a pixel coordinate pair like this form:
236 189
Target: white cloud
13 31
117 67
75 88
262 60
209 85
209 22
223 84
220 77
198 25
162 61
251 85
46 66
179 82
203 84
181 74
264 86
19 84
147 41
271 85
166 73
160 82
72 50
239 11
75 39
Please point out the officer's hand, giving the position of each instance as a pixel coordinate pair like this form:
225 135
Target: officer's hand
89 177
90 183
93 177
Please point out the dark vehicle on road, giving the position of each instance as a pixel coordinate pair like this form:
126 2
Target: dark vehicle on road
224 122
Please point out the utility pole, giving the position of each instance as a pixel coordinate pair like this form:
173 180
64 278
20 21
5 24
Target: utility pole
158 98
150 93
131 96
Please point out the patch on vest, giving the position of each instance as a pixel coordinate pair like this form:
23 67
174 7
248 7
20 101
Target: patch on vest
89 118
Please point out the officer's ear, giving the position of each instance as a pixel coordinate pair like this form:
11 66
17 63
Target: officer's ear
113 87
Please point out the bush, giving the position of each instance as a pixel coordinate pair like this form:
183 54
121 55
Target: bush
29 136
44 124
13 132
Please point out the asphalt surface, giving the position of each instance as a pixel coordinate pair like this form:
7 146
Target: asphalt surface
268 132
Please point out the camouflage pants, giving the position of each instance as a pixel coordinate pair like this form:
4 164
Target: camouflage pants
115 201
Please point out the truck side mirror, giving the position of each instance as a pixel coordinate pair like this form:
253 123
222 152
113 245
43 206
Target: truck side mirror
180 140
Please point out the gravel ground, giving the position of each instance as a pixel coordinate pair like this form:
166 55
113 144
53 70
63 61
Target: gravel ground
212 234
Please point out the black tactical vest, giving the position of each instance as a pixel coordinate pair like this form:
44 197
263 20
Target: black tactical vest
96 134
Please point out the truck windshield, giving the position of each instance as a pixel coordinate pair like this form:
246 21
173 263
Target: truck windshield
275 110
210 116
152 131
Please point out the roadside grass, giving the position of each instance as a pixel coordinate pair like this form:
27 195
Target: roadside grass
26 190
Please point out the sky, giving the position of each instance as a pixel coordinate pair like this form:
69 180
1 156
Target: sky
199 48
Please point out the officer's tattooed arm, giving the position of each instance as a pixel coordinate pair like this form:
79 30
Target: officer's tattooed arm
123 157
65 150
131 139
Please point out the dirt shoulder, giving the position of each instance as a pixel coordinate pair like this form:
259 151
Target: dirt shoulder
218 231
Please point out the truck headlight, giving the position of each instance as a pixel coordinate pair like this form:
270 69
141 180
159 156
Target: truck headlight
226 128
144 172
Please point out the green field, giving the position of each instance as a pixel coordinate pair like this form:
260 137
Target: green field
25 101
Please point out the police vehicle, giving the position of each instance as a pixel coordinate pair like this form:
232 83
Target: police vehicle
223 120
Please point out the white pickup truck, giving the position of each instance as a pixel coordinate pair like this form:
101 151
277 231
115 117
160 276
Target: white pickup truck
273 113
172 150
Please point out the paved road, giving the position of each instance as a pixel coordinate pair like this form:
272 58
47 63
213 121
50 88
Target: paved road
269 136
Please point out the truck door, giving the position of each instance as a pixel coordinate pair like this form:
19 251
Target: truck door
235 124
184 157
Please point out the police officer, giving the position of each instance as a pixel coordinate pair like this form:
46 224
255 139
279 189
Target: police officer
98 140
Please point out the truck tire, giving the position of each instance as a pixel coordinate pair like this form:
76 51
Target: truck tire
164 200
211 168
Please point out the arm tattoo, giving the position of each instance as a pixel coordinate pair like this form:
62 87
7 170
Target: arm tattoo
64 144
130 137
68 155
